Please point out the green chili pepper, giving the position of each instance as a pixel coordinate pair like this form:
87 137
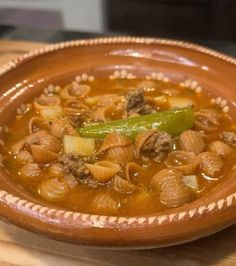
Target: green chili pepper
173 122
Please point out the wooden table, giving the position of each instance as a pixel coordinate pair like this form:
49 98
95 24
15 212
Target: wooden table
19 247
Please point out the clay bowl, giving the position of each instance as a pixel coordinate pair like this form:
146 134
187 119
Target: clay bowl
119 57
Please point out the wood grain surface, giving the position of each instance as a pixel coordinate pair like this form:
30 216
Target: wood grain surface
19 247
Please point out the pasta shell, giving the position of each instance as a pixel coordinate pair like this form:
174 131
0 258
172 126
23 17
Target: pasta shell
43 138
220 148
75 90
153 143
160 179
17 147
108 99
131 170
229 137
75 107
192 141
176 195
102 174
70 180
140 140
105 203
53 189
30 170
56 169
61 127
210 163
173 191
114 140
122 154
107 113
110 164
43 102
100 115
207 120
184 161
24 156
42 155
37 123
122 185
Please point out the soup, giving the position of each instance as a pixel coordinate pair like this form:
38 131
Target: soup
120 146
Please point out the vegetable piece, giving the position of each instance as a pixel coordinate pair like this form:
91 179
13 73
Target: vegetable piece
180 102
51 113
77 145
173 122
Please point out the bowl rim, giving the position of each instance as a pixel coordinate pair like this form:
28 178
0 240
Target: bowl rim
114 40
84 220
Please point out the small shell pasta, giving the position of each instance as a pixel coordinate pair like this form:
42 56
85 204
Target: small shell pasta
210 163
132 169
30 170
44 102
103 171
75 90
61 127
55 169
75 108
122 155
117 148
42 155
220 148
107 113
43 138
122 185
173 191
37 123
104 100
53 189
24 156
184 161
70 180
17 147
105 203
192 141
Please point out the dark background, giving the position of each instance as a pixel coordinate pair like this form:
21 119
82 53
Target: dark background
208 22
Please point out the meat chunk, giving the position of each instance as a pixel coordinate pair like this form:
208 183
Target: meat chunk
75 164
153 144
136 104
229 137
157 145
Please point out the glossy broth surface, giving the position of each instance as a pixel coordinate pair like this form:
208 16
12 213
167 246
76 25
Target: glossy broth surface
86 196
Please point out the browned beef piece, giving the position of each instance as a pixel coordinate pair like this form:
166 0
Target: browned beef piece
229 137
156 146
136 104
76 165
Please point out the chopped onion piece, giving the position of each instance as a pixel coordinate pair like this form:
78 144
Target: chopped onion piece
180 102
52 112
77 145
191 181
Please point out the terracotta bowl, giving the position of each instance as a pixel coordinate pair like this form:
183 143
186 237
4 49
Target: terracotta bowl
119 57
